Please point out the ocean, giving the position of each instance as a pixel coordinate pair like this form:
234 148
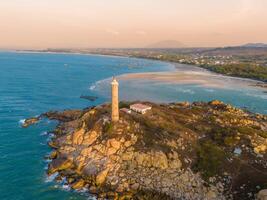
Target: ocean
33 83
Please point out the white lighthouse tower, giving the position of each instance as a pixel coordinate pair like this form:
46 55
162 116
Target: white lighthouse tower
115 100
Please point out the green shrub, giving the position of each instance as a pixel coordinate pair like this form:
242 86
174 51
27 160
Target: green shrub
246 130
124 104
209 159
220 134
262 134
251 131
108 127
230 141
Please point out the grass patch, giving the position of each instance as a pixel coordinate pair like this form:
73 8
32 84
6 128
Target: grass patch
223 136
210 158
252 131
108 127
262 133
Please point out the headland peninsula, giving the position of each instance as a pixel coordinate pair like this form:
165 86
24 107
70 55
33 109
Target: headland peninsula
173 151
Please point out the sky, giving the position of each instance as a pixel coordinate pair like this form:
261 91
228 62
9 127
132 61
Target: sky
37 24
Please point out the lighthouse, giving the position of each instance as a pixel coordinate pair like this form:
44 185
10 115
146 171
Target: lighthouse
115 100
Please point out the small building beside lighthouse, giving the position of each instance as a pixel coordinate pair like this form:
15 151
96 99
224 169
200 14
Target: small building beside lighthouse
115 100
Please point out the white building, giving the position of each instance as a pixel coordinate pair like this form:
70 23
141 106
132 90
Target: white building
140 108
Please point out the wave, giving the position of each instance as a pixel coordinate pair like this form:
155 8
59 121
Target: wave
185 91
51 178
66 187
95 85
50 137
22 121
43 133
262 96
209 90
48 160
92 87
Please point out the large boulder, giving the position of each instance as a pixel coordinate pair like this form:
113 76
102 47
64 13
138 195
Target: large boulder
79 184
90 138
216 103
152 159
262 195
101 177
60 164
77 137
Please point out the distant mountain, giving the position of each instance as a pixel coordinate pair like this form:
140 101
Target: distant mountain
255 45
166 44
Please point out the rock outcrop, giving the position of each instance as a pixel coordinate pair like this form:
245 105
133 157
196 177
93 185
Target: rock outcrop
30 121
262 195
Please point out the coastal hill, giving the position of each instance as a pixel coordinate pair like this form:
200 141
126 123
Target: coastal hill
255 45
165 44
174 151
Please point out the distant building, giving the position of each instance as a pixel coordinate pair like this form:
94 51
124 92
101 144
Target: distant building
126 110
140 108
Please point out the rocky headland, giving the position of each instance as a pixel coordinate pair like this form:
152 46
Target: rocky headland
179 151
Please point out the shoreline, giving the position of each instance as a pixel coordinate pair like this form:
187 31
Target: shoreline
255 83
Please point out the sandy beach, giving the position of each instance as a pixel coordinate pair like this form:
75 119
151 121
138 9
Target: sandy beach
190 75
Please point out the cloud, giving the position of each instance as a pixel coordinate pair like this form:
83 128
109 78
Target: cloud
112 32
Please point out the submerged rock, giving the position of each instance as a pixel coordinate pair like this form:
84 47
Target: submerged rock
90 98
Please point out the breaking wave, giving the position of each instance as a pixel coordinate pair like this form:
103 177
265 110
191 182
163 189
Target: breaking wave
22 121
262 96
185 91
51 178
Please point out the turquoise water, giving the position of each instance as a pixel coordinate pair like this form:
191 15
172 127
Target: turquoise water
34 83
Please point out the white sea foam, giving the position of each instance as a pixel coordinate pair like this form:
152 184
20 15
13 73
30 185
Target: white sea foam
91 198
209 90
50 136
185 91
43 133
48 160
66 187
97 84
262 96
64 184
51 177
22 121
84 190
92 87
